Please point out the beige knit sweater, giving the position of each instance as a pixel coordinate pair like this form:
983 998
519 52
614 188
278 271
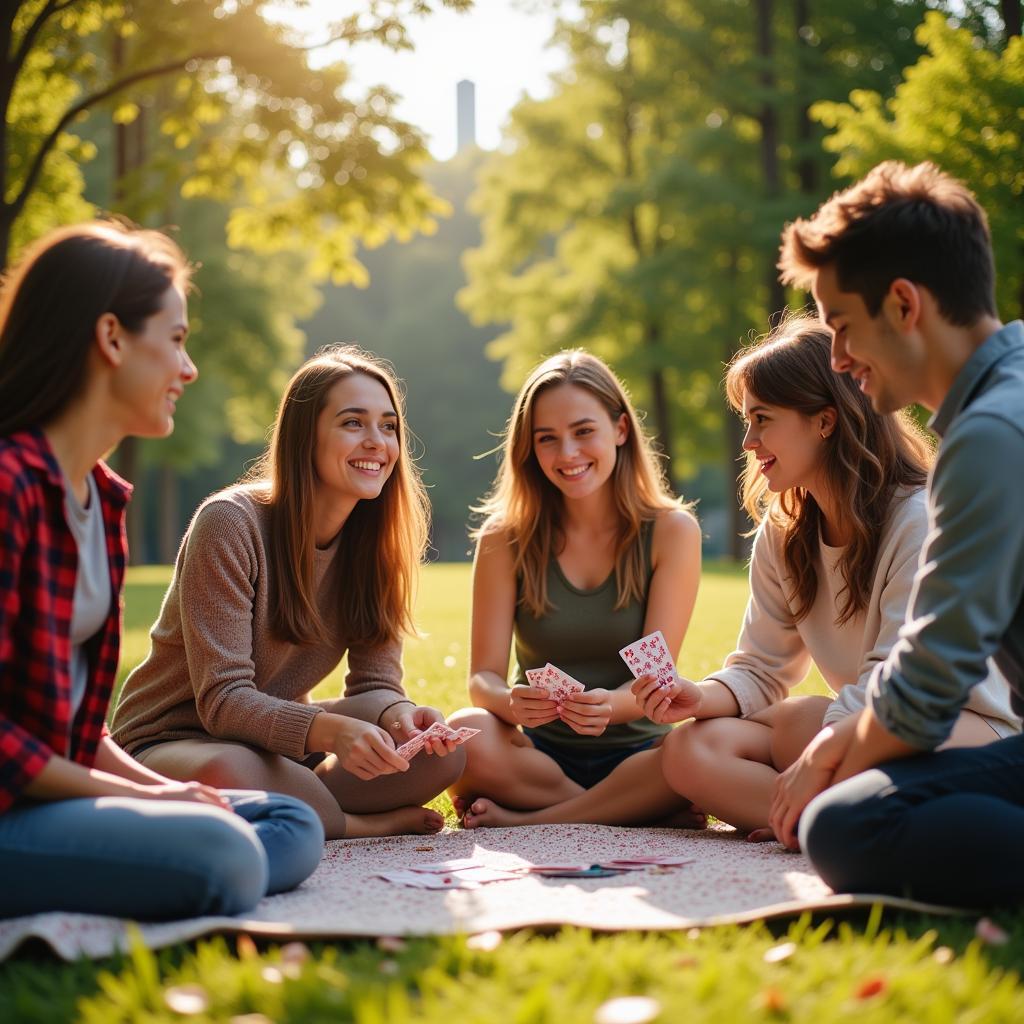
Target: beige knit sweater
215 668
774 651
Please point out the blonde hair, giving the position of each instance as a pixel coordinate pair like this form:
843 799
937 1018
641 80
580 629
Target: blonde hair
527 508
867 457
383 541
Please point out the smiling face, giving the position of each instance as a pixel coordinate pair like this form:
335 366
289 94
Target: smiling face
357 444
886 365
575 441
154 368
787 444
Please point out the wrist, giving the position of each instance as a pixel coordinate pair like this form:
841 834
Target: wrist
393 710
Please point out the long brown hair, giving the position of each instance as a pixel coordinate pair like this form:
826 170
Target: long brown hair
51 302
527 508
382 542
868 458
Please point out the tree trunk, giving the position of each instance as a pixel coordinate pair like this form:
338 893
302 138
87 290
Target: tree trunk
169 533
737 518
1011 11
661 407
769 121
806 168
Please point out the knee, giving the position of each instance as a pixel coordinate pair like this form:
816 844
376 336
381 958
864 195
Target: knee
839 836
691 746
239 768
228 862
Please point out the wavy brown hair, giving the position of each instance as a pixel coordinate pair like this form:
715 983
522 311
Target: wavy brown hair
382 542
868 458
528 508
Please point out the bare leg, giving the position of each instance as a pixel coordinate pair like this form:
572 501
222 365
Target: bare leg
502 763
237 766
728 766
635 793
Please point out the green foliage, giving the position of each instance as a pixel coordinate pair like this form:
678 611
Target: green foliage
244 119
962 106
408 315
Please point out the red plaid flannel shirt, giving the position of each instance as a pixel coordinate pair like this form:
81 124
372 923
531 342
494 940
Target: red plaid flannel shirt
38 564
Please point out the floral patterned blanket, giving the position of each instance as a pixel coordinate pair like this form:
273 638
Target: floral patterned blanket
726 880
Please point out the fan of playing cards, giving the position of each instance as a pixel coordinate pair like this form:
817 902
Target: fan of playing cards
560 685
650 656
438 731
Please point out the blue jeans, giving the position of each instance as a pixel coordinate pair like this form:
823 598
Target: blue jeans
585 766
154 859
946 827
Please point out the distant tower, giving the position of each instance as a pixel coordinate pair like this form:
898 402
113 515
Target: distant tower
465 94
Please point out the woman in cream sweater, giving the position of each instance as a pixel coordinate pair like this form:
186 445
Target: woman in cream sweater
838 493
276 579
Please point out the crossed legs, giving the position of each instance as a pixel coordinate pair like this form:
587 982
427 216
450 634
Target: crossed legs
502 764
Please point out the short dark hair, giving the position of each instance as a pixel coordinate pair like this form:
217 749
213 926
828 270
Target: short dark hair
898 221
50 303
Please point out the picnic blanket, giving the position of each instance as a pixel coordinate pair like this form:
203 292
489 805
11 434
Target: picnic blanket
728 880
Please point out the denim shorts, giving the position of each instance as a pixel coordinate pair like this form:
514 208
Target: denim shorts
585 767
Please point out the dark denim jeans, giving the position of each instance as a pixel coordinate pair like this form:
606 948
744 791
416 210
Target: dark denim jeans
946 827
154 859
584 765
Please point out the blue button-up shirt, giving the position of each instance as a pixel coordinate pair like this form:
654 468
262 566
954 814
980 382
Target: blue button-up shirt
967 602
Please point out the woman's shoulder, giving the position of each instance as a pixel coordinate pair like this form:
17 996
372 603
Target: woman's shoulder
234 509
675 525
907 521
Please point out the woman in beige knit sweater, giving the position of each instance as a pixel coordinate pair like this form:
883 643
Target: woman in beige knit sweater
313 556
838 492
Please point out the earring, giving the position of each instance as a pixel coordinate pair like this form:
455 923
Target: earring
823 435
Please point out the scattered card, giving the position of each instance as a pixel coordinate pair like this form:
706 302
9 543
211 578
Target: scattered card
642 862
650 656
439 730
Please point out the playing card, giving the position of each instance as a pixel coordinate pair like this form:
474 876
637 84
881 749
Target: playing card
535 676
565 687
650 656
592 871
443 867
422 880
664 862
439 730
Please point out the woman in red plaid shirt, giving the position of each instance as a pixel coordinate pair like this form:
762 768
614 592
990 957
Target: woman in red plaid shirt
92 349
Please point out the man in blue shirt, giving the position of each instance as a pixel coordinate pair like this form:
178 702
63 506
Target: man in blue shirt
901 268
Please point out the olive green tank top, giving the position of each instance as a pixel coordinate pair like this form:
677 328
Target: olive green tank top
583 634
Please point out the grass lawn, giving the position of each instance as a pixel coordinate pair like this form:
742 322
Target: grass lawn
865 967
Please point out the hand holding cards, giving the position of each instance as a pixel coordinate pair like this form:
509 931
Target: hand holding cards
560 685
438 730
660 691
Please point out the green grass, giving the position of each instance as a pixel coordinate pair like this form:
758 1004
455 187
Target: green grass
865 967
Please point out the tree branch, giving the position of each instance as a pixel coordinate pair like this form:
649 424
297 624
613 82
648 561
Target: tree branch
82 106
51 8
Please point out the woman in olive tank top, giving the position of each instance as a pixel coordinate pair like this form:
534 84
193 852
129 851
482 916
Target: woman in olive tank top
582 551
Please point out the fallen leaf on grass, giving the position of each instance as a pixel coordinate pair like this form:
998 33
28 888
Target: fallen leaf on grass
777 954
485 942
245 946
627 1010
871 987
771 1000
990 933
188 1000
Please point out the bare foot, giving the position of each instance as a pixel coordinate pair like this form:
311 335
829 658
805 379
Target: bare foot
483 813
404 821
460 804
685 817
761 835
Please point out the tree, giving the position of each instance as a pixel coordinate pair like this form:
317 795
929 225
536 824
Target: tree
638 210
318 171
960 106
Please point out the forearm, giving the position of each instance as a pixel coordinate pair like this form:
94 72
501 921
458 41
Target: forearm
112 760
62 779
489 691
717 700
872 745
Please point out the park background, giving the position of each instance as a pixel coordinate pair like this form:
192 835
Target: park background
631 203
